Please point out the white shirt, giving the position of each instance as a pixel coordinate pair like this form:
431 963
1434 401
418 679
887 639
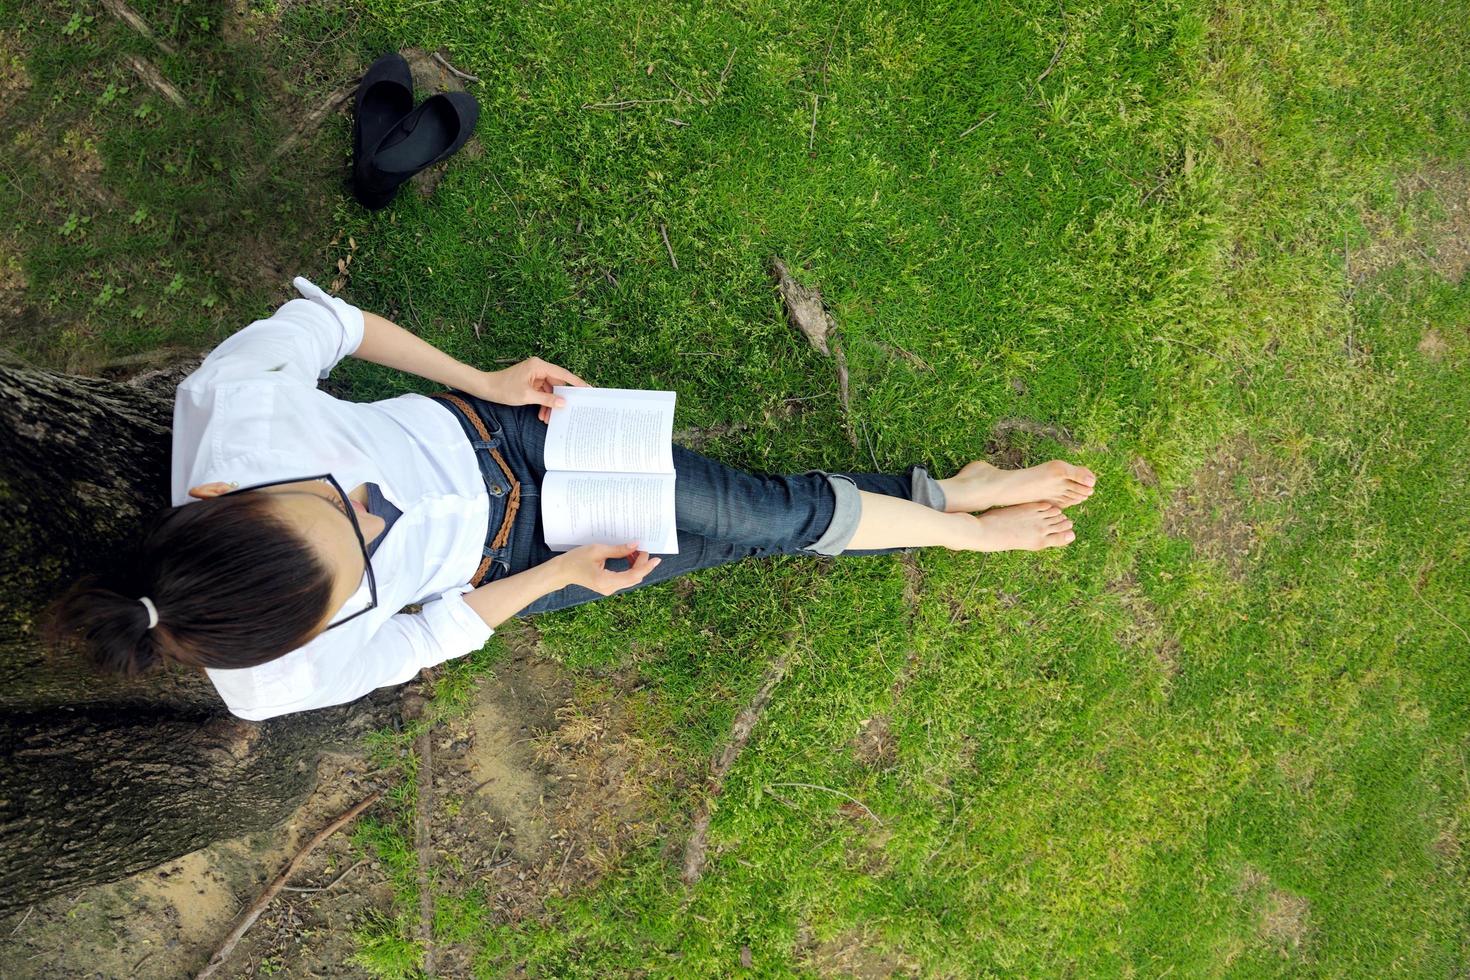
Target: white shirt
252 413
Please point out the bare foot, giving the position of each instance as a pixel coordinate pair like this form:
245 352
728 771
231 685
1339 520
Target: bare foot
1022 527
980 486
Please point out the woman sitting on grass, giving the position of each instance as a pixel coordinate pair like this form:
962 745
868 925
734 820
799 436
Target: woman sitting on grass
305 524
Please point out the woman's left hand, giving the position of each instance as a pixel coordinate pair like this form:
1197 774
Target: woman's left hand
528 383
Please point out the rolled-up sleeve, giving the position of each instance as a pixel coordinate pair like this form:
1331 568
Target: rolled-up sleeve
301 342
446 628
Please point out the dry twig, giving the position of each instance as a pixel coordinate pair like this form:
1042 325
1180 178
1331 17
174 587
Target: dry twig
832 38
329 885
624 104
519 217
977 125
835 792
1057 54
1430 606
720 86
444 63
663 230
274 888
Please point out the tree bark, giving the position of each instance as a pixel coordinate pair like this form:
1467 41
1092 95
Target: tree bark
102 777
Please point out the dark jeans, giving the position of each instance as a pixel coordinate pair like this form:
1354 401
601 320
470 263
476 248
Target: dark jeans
722 514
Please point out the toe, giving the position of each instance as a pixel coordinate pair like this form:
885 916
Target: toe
1083 475
1060 539
1077 486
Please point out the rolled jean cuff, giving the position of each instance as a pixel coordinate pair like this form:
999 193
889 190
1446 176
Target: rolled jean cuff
924 489
846 512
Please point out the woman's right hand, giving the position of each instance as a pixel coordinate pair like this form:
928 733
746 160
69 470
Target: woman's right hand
587 566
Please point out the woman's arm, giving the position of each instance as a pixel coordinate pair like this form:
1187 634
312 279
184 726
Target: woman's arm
586 566
527 383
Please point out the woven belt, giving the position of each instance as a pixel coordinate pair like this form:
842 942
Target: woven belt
512 503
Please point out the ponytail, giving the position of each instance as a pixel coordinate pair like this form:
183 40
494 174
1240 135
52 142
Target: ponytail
232 586
110 627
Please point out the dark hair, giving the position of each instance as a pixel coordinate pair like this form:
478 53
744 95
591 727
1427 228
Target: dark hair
233 584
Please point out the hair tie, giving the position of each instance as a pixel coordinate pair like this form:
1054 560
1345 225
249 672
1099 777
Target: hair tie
152 611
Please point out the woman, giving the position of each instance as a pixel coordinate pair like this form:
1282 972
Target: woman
304 525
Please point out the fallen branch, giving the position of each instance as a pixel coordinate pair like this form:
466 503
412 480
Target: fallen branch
131 17
443 63
274 888
745 722
154 79
663 230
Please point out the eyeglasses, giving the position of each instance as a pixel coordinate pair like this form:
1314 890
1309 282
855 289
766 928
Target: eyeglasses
347 509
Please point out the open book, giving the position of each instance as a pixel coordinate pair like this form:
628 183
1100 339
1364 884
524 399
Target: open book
610 470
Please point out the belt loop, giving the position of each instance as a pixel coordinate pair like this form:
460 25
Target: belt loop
471 418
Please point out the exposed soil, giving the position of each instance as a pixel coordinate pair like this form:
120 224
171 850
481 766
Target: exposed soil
538 791
15 81
1436 201
1296 772
1433 345
1446 845
852 954
1283 918
1012 443
913 582
875 746
1144 631
1217 511
165 922
12 282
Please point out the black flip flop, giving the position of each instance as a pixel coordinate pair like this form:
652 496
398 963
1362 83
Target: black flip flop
384 98
432 132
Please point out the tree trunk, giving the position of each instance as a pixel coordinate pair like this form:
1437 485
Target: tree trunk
102 777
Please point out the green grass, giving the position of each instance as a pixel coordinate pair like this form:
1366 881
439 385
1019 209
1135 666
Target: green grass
1131 758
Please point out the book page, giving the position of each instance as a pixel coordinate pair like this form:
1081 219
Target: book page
607 430
609 508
